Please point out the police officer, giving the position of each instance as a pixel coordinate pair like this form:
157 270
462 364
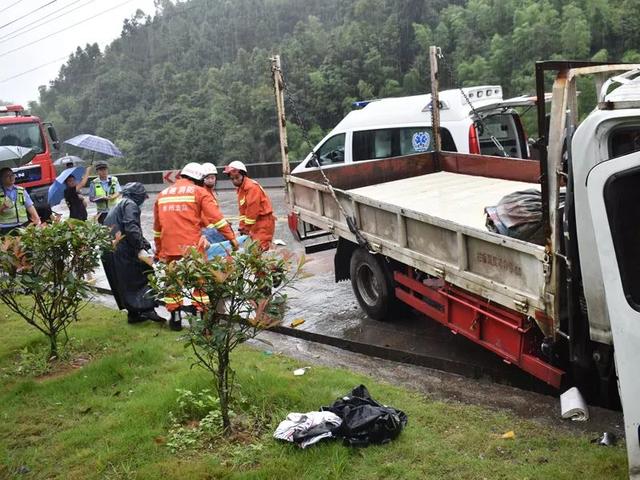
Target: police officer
104 190
16 207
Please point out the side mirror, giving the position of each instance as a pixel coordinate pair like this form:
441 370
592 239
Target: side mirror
314 161
54 137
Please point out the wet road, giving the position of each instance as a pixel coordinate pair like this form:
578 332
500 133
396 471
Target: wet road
331 310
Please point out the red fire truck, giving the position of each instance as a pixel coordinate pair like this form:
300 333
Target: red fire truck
19 128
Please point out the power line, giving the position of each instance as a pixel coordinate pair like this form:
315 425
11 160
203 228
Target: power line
27 14
62 58
13 4
22 30
63 29
4 80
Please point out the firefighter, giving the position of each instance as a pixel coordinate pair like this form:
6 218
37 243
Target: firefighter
180 213
209 179
16 207
256 213
104 190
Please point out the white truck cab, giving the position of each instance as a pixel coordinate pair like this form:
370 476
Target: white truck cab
606 163
473 120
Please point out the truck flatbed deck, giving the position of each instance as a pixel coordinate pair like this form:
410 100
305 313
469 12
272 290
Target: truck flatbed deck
450 196
396 207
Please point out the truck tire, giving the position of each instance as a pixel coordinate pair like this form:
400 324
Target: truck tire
372 284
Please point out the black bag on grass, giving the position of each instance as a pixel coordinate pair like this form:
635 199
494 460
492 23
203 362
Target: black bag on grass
365 421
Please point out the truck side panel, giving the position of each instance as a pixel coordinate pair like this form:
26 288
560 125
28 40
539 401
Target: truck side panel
504 270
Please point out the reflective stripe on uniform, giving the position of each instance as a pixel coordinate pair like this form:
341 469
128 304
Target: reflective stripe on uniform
242 201
249 221
177 199
219 224
203 299
172 300
157 234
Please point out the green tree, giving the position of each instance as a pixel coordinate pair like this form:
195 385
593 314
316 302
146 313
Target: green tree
575 34
244 291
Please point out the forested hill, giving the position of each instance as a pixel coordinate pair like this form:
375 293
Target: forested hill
192 80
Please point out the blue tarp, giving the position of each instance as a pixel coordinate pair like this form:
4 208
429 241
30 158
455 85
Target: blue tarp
224 248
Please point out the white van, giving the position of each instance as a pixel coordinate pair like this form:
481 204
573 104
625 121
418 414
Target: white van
393 127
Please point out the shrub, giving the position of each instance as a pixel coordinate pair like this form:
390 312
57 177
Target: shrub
245 291
49 264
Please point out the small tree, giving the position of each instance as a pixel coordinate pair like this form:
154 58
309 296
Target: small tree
49 264
245 291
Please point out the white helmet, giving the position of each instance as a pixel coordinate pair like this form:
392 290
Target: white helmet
235 165
192 170
208 169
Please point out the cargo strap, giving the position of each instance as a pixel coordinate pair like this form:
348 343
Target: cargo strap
350 219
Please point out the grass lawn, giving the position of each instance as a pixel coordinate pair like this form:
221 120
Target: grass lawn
109 419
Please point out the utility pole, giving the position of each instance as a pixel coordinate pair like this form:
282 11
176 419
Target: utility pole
278 86
434 53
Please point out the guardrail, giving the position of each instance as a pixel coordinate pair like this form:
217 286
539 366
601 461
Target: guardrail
270 170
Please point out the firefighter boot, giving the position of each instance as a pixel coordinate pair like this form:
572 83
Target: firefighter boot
175 323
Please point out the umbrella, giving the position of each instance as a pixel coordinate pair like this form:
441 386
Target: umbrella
56 190
95 144
11 156
62 161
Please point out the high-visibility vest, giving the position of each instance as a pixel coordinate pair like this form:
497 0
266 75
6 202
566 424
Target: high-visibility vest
105 205
17 212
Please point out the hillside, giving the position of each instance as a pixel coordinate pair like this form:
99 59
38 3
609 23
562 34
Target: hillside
191 82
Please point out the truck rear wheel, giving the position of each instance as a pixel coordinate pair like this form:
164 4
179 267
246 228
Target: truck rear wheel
372 284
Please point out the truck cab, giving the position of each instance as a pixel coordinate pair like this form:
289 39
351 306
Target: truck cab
19 128
605 157
472 120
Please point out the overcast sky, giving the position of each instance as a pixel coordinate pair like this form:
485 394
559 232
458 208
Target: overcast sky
67 24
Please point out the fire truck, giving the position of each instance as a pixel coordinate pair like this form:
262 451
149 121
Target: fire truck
19 128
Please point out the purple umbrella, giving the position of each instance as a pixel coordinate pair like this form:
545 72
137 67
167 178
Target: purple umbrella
95 144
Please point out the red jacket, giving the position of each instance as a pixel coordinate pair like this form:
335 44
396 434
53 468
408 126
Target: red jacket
180 213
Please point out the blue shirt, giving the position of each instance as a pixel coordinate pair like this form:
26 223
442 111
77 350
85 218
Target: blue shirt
12 193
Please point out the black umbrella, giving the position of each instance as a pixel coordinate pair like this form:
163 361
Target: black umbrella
14 156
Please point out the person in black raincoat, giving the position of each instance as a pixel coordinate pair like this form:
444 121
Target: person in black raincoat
127 266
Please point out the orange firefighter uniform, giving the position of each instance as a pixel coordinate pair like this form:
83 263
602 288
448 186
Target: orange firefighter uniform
256 213
180 213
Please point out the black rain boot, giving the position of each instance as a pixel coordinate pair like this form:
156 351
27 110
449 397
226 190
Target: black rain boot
133 317
152 315
175 323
